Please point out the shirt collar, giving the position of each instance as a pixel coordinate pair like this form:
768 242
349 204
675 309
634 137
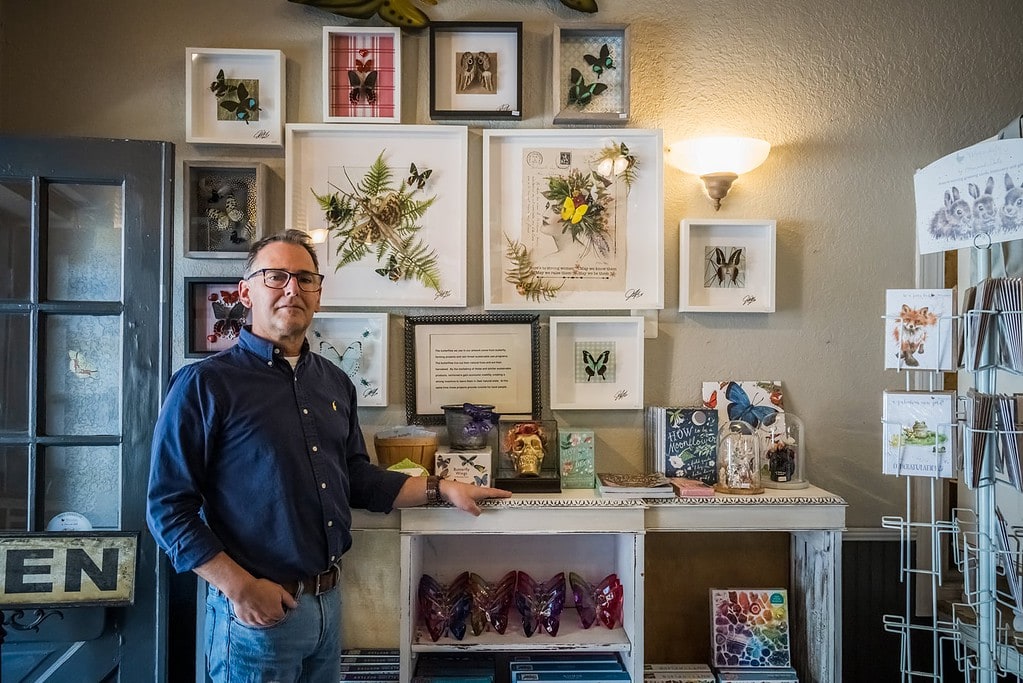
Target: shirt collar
261 347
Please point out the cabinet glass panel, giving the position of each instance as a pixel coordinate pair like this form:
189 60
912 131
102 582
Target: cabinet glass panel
15 238
82 374
83 246
14 374
14 488
84 480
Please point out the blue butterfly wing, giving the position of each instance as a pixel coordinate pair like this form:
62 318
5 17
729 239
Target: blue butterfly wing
740 408
351 359
328 351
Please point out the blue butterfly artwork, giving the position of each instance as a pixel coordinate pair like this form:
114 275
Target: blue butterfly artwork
348 360
481 481
596 365
740 407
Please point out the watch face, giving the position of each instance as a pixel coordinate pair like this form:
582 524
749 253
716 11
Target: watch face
69 521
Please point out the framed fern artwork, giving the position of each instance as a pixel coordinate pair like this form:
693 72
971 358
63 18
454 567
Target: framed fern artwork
386 206
573 220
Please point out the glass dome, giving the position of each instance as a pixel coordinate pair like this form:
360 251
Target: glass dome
784 462
738 459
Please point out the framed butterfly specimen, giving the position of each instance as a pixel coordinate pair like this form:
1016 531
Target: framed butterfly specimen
590 78
214 315
390 201
727 265
356 343
596 363
475 70
234 97
224 204
361 74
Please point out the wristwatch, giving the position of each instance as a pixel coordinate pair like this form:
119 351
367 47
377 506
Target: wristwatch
433 489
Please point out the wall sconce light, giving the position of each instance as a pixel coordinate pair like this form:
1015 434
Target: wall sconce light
718 161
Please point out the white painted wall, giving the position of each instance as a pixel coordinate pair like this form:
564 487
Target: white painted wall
853 96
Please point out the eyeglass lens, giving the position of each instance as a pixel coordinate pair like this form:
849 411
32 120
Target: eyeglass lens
279 279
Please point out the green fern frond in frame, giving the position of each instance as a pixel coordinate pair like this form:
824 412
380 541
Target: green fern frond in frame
418 261
413 210
521 274
377 178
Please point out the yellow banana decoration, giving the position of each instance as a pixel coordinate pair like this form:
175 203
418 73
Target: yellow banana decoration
404 13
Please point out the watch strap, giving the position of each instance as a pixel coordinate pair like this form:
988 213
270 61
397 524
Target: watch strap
433 489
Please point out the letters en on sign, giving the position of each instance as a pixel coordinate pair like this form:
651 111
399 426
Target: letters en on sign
64 569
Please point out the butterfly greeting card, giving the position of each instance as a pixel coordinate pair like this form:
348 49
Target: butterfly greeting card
751 402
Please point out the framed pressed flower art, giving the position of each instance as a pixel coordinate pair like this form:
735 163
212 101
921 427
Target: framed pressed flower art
387 206
573 219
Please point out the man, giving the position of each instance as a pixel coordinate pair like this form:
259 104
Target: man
257 460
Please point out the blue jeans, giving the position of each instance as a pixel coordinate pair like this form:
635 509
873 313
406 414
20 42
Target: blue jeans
303 647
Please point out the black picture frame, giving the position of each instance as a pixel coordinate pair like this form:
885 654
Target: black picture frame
201 317
482 96
426 333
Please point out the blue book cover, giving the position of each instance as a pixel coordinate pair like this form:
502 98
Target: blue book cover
566 666
690 443
580 676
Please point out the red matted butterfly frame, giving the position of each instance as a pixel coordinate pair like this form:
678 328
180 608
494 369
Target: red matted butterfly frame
361 74
214 315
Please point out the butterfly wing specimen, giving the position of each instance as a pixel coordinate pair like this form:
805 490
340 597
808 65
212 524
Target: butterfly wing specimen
579 91
596 365
740 407
230 314
364 87
417 177
349 360
727 269
602 62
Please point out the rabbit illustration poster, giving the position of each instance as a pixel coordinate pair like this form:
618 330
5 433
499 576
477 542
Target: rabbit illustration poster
919 329
973 196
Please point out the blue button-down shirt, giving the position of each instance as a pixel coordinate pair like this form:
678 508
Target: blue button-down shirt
262 462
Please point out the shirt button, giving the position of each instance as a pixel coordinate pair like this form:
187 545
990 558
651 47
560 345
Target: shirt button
332 558
315 449
269 362
277 351
323 485
305 411
330 522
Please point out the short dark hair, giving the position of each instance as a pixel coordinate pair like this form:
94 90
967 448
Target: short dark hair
289 236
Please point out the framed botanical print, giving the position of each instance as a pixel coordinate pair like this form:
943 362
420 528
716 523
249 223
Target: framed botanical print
361 74
727 265
590 78
214 315
573 219
389 203
476 70
234 97
356 343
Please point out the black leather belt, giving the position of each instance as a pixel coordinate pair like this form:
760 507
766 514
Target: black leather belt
323 582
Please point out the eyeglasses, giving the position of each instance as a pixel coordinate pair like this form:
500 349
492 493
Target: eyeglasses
275 278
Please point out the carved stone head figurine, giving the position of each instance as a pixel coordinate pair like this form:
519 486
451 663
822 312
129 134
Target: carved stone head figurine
525 444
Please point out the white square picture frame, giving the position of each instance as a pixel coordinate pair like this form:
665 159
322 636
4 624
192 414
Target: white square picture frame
570 222
596 363
356 343
209 119
223 207
361 74
328 159
727 265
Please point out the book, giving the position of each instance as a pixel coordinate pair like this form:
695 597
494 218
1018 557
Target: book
580 676
750 628
918 433
685 442
565 657
781 675
678 673
622 485
469 467
575 451
391 652
566 666
919 330
691 488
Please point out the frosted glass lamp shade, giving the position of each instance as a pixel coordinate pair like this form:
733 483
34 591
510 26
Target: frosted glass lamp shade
701 156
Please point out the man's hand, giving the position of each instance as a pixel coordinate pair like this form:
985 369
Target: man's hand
466 496
262 602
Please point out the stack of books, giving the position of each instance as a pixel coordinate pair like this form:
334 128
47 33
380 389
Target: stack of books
583 667
370 665
622 485
452 667
682 442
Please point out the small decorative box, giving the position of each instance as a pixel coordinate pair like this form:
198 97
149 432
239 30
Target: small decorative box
575 448
471 467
